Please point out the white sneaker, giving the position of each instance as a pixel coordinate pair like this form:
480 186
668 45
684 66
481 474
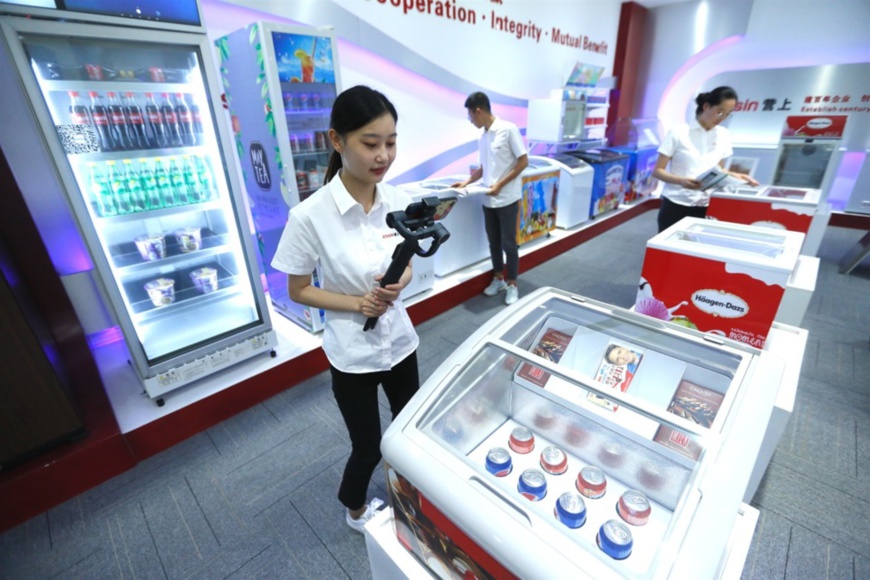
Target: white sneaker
371 511
496 286
513 294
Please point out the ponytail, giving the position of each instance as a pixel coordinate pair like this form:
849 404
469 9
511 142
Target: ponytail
333 167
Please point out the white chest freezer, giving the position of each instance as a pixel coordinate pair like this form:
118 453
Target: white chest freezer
467 244
575 188
567 438
718 277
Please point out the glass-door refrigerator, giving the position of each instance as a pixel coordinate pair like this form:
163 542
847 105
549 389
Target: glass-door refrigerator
280 82
127 118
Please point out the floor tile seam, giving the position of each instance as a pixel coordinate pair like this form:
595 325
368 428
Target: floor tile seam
302 483
835 477
261 454
202 511
794 523
279 537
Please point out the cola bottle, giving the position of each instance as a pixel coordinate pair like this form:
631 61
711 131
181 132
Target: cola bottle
185 121
78 112
198 136
156 123
137 123
100 119
124 137
170 121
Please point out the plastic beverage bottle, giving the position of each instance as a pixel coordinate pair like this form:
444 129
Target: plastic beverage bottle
124 138
137 122
179 187
156 124
192 181
118 185
170 121
196 117
78 112
149 186
100 119
164 187
102 195
205 178
185 121
134 187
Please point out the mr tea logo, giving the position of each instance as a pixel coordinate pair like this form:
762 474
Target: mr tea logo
720 303
260 166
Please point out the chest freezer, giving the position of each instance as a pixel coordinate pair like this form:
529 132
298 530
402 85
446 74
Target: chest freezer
610 180
538 205
467 244
719 277
567 438
575 188
778 207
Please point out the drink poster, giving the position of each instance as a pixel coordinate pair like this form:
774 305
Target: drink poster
302 58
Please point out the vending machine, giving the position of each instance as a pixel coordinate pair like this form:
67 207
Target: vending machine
567 438
280 82
718 277
111 132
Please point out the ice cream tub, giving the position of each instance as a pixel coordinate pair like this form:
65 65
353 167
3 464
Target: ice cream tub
189 239
205 279
161 291
151 247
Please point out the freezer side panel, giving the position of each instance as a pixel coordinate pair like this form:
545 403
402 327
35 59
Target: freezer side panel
537 216
702 293
760 213
432 538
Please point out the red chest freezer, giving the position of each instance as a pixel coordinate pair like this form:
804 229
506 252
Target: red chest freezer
784 208
718 277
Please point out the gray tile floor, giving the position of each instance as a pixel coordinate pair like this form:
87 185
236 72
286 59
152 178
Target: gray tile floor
254 497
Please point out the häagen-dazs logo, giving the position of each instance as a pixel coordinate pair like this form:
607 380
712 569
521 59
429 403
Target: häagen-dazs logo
819 123
720 303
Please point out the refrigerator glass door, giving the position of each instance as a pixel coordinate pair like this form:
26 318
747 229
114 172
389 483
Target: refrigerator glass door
306 71
152 198
803 164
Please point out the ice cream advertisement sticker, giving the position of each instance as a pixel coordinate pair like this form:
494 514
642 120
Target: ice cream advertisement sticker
720 303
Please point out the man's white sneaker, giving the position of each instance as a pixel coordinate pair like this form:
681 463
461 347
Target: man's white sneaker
371 511
496 286
513 294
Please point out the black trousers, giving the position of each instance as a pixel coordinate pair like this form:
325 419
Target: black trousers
501 232
357 398
670 213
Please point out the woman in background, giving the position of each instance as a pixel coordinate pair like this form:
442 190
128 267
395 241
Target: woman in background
342 226
691 149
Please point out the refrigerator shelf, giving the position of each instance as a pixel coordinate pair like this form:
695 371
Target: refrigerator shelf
136 154
320 112
128 260
117 86
162 212
186 294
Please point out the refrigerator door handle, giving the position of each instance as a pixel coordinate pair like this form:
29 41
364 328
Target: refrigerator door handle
524 517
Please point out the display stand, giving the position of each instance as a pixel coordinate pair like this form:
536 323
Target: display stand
798 291
388 559
855 255
788 343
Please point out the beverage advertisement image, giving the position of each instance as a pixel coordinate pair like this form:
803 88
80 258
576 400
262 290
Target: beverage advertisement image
304 59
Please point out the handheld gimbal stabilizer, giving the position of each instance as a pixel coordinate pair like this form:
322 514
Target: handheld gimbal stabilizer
417 222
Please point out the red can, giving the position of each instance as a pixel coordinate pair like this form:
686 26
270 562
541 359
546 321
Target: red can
554 460
591 482
522 440
634 508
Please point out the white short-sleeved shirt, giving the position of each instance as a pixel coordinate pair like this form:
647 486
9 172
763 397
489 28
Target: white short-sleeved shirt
500 146
693 150
352 247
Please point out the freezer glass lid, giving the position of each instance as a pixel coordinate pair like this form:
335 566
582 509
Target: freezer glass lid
760 244
785 193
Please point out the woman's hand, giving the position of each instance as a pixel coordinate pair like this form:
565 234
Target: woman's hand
689 183
372 306
748 179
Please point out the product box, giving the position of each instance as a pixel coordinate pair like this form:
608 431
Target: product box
783 208
618 366
722 278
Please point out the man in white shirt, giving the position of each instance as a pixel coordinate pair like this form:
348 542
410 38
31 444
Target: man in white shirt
503 157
